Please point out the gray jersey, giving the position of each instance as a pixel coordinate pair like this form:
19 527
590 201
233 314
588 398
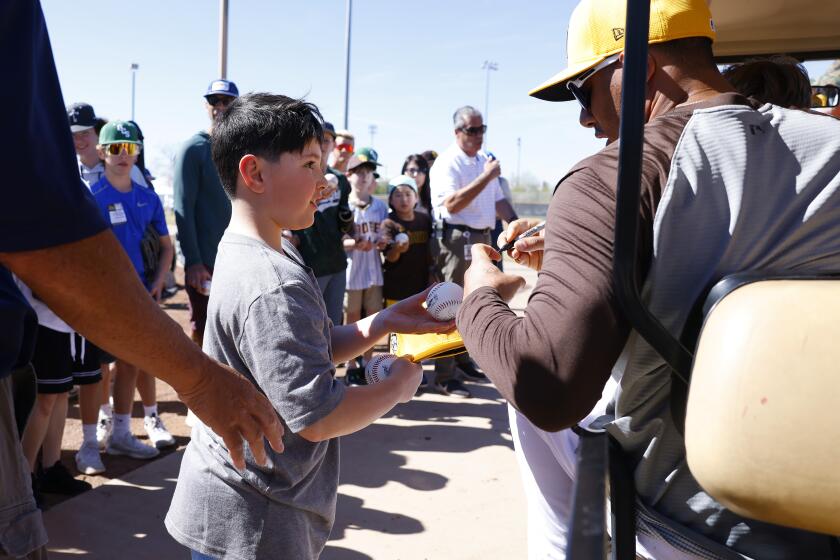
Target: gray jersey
748 190
266 318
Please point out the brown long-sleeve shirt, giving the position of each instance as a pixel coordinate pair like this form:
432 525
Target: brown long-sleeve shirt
552 363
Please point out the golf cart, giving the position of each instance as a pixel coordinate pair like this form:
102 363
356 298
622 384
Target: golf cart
750 342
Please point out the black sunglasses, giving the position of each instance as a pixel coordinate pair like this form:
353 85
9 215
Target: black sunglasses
214 100
575 86
473 130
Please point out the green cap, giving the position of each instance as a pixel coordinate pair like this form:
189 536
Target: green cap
119 131
362 156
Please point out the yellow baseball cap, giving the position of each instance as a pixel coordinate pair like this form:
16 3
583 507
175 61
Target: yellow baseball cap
596 31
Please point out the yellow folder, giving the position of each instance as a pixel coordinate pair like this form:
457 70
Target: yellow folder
419 347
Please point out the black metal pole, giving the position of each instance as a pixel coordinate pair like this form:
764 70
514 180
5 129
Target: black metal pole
588 536
631 137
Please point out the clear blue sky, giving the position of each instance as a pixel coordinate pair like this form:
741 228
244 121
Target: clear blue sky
411 66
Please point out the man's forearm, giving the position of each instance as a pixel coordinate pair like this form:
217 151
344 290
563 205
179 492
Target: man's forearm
462 198
186 190
188 239
110 306
504 209
167 253
540 371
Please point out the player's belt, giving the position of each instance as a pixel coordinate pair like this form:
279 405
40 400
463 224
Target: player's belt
461 227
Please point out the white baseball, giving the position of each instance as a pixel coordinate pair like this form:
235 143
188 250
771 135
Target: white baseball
401 238
332 180
378 368
444 300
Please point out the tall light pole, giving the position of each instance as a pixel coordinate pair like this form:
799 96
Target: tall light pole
372 128
347 62
488 66
134 68
223 38
518 160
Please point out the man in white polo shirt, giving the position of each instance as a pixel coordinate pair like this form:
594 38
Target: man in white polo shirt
466 196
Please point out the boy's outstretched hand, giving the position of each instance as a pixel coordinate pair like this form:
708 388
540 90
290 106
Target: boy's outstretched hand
410 317
410 376
235 410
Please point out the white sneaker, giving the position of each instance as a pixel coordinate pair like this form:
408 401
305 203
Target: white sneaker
104 427
127 444
88 460
158 434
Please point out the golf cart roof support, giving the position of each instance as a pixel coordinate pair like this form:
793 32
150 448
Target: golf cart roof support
631 136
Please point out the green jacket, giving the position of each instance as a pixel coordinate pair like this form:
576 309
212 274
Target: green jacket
321 243
202 209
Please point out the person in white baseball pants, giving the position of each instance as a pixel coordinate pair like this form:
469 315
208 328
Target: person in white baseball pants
547 464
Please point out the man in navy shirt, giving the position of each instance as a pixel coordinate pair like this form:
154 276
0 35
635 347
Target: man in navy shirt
53 237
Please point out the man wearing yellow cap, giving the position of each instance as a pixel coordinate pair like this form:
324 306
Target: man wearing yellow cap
726 186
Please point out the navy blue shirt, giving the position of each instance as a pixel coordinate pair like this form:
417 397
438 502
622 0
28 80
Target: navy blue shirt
45 202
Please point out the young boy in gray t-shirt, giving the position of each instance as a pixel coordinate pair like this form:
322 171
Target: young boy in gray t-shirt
266 318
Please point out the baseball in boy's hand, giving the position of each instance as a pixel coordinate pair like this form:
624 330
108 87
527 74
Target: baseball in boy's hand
378 368
443 300
401 239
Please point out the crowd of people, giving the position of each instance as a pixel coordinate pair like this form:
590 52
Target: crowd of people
366 253
107 157
354 247
292 265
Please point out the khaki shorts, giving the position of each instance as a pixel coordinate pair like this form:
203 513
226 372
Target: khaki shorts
454 248
369 299
21 529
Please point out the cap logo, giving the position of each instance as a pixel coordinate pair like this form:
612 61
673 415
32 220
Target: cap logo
123 130
362 157
219 86
618 33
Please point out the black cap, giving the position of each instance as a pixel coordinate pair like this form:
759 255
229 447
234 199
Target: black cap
81 117
329 129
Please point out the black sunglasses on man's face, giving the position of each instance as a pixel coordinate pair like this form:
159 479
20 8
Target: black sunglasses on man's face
473 130
214 100
575 86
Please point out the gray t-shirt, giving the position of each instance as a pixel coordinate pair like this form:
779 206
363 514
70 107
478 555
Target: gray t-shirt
266 318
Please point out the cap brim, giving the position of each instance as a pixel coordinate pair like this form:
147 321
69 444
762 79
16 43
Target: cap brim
209 93
79 128
554 89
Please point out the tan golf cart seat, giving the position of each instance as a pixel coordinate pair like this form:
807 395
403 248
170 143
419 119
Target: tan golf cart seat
762 431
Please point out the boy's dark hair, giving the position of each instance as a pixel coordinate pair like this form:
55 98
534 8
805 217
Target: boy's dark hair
780 80
265 125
